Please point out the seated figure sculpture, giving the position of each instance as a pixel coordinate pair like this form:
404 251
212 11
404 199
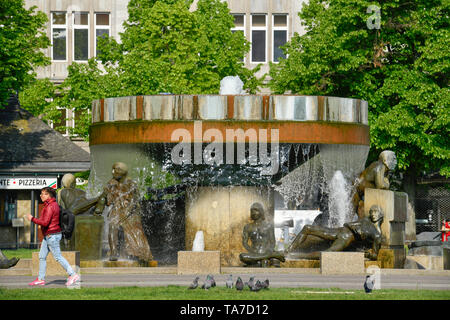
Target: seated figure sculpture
374 176
261 235
365 231
6 263
74 199
122 194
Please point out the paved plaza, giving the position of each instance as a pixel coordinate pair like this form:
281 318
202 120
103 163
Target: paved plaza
292 278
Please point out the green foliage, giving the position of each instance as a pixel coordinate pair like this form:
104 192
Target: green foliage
401 69
37 98
83 175
22 34
171 49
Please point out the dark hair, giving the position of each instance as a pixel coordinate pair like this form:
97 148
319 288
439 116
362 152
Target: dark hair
258 206
50 191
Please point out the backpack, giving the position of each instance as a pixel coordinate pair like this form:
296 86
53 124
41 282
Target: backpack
66 222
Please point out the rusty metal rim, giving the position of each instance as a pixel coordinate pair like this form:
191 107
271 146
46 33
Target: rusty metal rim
160 131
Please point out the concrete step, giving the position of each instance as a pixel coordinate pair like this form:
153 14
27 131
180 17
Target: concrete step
130 270
15 272
23 263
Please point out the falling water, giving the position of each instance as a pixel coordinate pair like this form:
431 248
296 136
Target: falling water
312 184
339 201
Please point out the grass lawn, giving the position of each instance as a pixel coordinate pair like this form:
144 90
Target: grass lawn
19 253
217 293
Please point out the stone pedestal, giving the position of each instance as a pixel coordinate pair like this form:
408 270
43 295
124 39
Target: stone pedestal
88 237
342 263
204 262
116 264
300 263
392 258
221 213
429 262
394 206
53 267
446 258
395 209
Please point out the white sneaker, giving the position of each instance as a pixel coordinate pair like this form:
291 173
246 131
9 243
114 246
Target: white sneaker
73 279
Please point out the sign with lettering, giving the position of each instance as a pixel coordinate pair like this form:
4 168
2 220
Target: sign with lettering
27 182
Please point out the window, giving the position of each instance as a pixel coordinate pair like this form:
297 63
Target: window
61 124
280 29
78 118
8 207
59 36
239 24
258 38
80 36
102 28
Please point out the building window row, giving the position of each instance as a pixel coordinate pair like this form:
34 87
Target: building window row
259 30
80 26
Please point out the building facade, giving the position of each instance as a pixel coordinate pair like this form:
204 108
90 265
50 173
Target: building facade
32 156
267 25
75 25
73 28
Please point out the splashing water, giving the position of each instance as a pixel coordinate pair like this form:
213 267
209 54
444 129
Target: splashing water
339 201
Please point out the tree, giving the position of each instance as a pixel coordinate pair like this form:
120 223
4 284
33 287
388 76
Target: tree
85 83
22 34
165 48
395 56
37 97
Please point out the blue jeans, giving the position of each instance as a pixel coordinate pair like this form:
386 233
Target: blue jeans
51 243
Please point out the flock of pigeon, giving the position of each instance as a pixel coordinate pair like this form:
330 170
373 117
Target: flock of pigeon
239 285
209 282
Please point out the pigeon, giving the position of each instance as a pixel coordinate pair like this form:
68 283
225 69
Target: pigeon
369 284
239 284
229 282
209 282
265 284
256 286
194 283
211 278
251 282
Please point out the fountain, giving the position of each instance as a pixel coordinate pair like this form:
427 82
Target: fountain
201 161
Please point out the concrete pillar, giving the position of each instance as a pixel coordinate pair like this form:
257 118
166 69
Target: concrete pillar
395 207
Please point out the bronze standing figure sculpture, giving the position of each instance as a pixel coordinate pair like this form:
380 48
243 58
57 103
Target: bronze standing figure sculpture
365 231
261 235
121 192
375 176
74 199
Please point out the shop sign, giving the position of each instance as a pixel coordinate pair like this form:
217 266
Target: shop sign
27 182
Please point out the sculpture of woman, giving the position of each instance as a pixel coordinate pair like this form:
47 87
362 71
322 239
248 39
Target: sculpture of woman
261 235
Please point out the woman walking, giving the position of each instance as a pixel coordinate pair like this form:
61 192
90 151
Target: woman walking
51 230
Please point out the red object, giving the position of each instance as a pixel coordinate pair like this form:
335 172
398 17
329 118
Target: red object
37 282
49 219
445 234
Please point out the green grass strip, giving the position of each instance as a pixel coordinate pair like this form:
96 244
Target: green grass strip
218 293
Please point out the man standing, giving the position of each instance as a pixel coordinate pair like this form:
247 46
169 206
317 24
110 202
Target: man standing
445 230
51 230
121 192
